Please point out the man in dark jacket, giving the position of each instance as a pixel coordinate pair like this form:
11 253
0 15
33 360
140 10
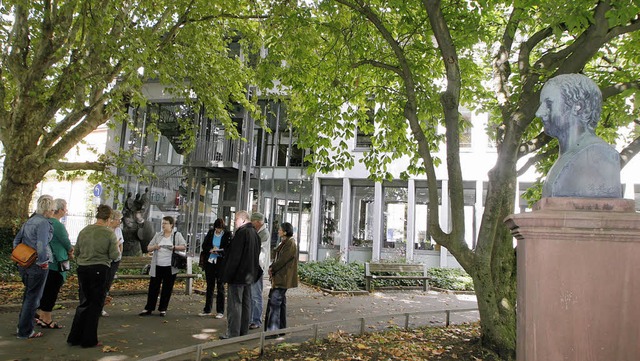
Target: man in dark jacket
242 269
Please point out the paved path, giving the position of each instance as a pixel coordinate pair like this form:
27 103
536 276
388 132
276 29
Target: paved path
130 336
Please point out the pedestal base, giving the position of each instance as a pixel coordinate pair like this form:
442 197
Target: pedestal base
578 280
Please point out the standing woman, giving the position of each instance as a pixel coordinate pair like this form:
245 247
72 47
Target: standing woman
283 274
163 244
36 233
114 223
96 247
216 242
58 265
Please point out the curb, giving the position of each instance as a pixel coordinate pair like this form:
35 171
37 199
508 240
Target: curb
442 290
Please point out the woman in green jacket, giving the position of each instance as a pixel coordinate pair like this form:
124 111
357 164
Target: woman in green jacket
58 266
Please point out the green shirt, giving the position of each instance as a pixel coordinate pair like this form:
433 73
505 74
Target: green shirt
60 245
96 245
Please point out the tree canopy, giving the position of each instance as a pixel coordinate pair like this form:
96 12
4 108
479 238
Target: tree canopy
399 70
69 66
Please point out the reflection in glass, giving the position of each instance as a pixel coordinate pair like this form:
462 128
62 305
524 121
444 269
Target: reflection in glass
395 217
331 213
362 215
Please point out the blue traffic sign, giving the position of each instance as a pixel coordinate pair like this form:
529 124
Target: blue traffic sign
97 190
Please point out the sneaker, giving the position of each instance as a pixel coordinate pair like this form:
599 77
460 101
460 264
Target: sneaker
144 313
253 326
204 314
219 315
104 313
163 313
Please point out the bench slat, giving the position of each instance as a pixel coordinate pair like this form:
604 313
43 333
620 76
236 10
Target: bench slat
411 272
141 277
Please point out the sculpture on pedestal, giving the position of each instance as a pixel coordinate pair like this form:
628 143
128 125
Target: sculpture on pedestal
587 166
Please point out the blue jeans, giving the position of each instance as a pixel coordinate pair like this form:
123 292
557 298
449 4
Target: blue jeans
238 309
33 279
276 317
256 302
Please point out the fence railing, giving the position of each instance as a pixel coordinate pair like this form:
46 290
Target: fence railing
315 328
74 223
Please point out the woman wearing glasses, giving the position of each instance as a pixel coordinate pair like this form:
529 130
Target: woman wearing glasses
162 274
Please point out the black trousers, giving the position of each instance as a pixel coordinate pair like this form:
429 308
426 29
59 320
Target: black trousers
84 329
165 279
51 290
213 274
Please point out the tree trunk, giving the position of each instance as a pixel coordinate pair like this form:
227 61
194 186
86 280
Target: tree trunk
494 272
19 181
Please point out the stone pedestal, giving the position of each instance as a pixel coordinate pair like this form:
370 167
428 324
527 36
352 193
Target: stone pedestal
578 280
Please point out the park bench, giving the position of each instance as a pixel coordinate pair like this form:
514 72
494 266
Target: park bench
141 264
395 271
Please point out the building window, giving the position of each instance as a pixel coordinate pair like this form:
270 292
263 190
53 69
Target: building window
395 217
465 134
422 240
365 127
331 213
362 215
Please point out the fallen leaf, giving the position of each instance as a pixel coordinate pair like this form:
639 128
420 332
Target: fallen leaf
106 349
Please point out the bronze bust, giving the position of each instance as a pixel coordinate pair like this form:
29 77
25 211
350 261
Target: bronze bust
587 166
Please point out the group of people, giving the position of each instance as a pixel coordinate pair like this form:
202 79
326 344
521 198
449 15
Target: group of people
236 260
248 256
97 252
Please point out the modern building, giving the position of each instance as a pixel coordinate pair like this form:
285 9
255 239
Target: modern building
341 214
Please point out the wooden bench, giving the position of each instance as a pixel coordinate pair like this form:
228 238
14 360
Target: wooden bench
395 271
142 262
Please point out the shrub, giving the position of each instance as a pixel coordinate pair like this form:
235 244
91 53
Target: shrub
337 276
333 275
454 279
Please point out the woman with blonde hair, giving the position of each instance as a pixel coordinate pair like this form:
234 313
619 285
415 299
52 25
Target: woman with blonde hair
114 223
36 233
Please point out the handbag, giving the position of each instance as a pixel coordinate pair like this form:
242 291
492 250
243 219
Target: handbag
24 255
178 260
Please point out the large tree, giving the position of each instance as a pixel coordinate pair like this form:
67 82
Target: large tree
409 66
69 66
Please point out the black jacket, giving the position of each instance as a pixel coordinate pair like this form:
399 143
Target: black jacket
242 265
207 244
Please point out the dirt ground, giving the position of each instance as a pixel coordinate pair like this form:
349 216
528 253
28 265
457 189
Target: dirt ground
125 335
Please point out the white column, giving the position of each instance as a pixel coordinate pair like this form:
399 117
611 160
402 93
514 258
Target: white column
378 201
445 219
411 219
315 218
345 220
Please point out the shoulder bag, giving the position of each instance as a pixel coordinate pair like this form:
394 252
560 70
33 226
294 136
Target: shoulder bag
24 255
178 260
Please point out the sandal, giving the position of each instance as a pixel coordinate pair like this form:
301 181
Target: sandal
52 325
40 323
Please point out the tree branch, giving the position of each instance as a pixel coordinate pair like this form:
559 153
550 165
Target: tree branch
616 89
72 166
378 64
533 160
629 152
534 144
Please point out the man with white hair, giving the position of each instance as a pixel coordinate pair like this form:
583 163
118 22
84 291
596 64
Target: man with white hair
257 219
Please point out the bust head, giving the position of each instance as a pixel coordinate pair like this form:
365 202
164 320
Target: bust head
587 166
569 102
